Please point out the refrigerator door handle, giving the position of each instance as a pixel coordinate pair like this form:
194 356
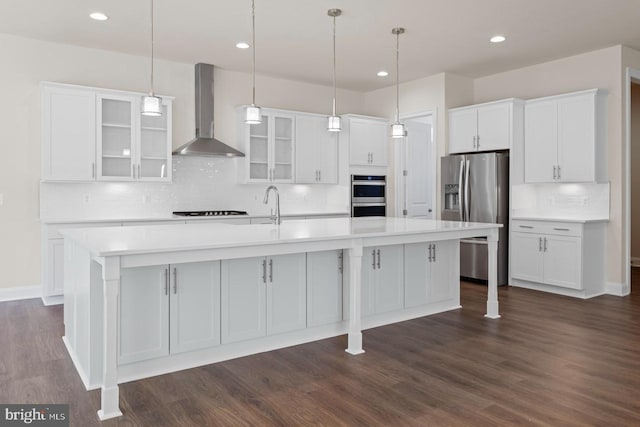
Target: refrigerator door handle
461 190
466 191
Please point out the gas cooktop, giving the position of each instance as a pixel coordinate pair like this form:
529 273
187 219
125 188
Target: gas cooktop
210 213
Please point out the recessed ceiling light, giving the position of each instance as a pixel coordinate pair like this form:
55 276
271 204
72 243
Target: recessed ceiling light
497 39
383 73
242 45
98 16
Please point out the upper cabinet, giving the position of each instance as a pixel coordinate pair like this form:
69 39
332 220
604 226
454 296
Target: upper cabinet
316 151
565 138
269 152
97 134
485 127
368 138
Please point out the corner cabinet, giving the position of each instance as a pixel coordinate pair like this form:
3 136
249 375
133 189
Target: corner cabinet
485 127
269 147
565 138
91 134
368 140
548 255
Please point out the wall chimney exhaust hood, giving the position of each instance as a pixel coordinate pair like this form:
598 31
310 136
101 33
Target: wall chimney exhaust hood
204 143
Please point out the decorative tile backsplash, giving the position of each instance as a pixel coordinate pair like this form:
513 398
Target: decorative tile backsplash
561 200
199 183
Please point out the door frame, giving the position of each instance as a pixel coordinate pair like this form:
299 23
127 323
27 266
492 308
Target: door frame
400 161
632 76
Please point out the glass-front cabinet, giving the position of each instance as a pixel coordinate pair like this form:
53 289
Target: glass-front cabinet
270 148
130 146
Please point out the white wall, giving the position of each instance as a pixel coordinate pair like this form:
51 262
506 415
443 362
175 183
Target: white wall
635 171
598 69
26 62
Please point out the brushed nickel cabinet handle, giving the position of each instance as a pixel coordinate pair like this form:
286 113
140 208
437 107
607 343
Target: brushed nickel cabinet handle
545 244
175 280
166 281
430 256
378 259
271 270
558 171
264 271
539 244
340 262
434 253
554 172
525 226
561 229
373 254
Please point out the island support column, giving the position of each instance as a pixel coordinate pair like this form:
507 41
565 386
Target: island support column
492 291
110 396
355 290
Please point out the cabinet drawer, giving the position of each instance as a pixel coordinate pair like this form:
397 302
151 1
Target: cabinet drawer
53 230
547 227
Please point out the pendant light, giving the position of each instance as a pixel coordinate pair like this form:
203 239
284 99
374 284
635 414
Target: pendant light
253 115
334 122
397 129
151 104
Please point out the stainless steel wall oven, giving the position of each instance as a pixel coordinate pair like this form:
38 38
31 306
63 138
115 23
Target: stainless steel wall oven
368 195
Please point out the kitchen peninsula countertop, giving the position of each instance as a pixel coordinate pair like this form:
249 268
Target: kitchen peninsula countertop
580 220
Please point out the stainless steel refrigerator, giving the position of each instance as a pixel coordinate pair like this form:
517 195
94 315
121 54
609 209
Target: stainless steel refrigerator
475 188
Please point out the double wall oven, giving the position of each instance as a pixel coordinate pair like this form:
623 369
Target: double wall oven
368 195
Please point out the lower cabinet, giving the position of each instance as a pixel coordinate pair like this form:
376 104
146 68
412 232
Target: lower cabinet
324 287
428 272
262 296
168 309
382 279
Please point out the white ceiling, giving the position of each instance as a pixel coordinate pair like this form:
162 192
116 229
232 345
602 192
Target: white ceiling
294 36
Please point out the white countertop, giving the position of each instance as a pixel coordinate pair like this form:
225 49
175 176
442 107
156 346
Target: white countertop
580 220
146 239
170 217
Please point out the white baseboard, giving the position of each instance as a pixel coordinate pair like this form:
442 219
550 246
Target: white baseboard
635 261
20 292
617 289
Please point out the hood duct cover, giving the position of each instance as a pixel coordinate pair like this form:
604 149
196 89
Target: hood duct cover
204 143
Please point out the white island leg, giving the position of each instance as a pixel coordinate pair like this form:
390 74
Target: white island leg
355 289
110 404
492 292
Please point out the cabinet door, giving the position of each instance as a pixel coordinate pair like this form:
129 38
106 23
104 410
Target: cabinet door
308 141
144 314
286 293
576 138
389 281
359 149
324 287
328 157
154 153
116 138
443 283
417 273
540 141
257 157
378 137
493 127
243 296
463 128
195 306
368 283
283 152
526 256
563 261
68 135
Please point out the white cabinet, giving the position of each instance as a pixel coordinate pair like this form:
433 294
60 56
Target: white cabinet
143 307
382 279
558 254
99 134
484 127
316 151
429 273
130 146
269 147
68 133
367 138
565 138
263 296
324 287
168 309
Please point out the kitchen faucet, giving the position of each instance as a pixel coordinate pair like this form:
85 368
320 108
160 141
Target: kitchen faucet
275 218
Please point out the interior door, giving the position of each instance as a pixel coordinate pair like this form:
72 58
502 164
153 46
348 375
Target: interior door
419 182
482 193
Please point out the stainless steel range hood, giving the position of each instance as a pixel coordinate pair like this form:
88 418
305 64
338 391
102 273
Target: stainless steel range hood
205 144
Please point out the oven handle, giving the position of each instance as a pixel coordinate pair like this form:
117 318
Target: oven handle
361 205
373 183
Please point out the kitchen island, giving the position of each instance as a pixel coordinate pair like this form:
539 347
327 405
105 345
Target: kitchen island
148 300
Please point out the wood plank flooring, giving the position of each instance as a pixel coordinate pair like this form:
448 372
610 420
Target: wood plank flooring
549 361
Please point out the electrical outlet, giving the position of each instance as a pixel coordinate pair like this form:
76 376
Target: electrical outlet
86 198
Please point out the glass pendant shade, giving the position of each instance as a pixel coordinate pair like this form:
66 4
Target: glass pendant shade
334 124
151 105
253 115
398 131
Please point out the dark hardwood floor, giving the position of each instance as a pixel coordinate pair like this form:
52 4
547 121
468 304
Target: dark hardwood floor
550 360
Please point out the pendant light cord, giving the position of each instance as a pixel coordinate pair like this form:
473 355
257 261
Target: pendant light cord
253 45
398 77
334 65
152 45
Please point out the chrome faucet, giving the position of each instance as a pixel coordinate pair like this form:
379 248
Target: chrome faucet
275 218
